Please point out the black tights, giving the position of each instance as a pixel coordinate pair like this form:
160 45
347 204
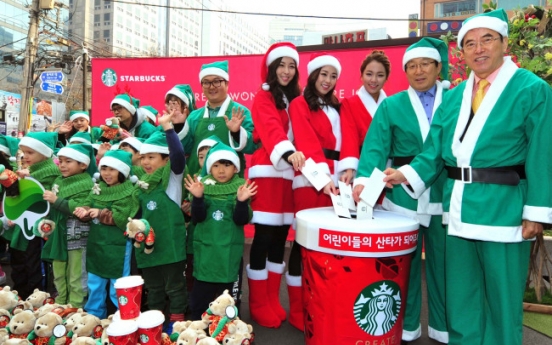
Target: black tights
294 265
269 241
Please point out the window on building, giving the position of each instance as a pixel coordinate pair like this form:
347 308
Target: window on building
107 16
106 33
514 4
456 8
97 18
97 2
96 35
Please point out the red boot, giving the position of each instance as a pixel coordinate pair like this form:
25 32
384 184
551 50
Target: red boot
275 272
296 308
259 306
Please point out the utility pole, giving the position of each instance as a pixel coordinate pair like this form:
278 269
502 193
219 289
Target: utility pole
84 79
27 83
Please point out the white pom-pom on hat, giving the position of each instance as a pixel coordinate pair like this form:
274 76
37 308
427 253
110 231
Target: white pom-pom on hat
445 84
133 179
96 177
265 87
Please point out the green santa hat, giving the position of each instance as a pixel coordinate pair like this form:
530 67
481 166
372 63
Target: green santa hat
496 20
81 138
81 153
219 68
157 143
9 146
119 160
431 48
149 112
209 142
185 93
75 114
42 142
136 143
218 152
126 101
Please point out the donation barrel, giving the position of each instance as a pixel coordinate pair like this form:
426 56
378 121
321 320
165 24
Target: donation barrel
355 276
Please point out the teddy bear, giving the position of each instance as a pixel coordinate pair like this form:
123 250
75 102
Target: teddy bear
188 337
17 342
8 298
207 341
39 298
111 129
21 324
198 326
72 320
84 341
5 317
236 339
48 330
140 231
237 326
23 305
104 339
220 313
4 335
10 181
46 308
88 326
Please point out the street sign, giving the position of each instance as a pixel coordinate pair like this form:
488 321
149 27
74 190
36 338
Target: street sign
52 88
52 76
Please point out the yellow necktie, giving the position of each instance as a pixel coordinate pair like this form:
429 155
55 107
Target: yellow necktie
479 95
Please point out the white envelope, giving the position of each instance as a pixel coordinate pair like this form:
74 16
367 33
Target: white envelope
316 176
364 211
373 187
346 193
339 208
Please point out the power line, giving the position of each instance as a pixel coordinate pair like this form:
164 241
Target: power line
7 44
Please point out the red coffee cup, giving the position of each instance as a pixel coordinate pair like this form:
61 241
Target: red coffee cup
123 332
150 327
129 296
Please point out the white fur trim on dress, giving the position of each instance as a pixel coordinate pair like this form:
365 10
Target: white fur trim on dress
361 181
486 22
293 280
277 152
537 214
348 163
282 52
269 218
422 219
36 145
149 148
256 274
412 335
74 154
324 60
440 336
275 267
260 171
243 140
115 164
415 182
214 71
79 115
123 103
179 94
420 52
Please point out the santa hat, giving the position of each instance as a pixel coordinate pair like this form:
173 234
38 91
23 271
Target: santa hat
156 143
136 143
209 142
149 112
219 152
496 20
185 93
126 101
42 142
219 68
276 51
81 153
81 138
75 114
319 60
9 146
119 160
431 48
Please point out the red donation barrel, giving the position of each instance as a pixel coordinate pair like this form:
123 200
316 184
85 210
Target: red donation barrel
355 276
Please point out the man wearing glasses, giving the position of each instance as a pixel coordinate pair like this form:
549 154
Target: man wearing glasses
125 108
398 131
493 140
221 116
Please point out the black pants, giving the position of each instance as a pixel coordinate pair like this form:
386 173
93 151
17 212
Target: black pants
295 265
27 268
269 241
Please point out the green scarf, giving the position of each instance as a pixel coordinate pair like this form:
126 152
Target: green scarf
221 189
70 187
161 175
45 172
123 200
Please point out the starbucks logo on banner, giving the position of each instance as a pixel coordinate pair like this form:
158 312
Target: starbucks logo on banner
123 300
377 307
109 77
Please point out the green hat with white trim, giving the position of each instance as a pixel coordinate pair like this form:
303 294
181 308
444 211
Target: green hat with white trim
185 93
9 145
496 20
209 142
119 160
82 153
42 142
81 138
157 143
128 102
149 111
219 68
431 48
136 143
75 114
218 152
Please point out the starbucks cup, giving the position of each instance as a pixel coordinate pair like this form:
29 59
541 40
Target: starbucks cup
122 332
150 327
129 296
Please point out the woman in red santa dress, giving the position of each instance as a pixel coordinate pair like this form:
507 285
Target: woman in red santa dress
357 111
272 169
317 132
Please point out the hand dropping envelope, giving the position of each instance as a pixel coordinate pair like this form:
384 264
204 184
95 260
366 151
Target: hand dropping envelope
373 187
346 193
340 209
316 176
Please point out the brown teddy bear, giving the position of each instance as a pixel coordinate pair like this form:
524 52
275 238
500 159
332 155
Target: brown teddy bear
84 341
72 320
8 298
39 298
48 330
236 339
110 130
139 230
238 327
21 324
188 337
207 341
220 313
88 326
17 342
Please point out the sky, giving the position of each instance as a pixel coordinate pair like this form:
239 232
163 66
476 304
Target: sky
382 9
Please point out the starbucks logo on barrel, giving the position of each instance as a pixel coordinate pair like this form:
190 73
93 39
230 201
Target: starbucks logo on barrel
377 308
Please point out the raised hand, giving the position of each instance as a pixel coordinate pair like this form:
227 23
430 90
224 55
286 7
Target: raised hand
65 127
236 121
165 121
247 190
194 186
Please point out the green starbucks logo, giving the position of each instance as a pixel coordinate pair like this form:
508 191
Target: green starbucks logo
144 338
123 300
109 77
377 307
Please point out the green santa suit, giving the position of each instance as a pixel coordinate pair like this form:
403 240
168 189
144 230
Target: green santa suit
205 122
398 131
139 126
486 254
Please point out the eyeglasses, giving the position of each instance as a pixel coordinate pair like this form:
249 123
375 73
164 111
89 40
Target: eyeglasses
414 66
116 108
216 83
485 42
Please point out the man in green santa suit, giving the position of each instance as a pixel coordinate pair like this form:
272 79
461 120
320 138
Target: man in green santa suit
221 116
125 107
398 132
493 140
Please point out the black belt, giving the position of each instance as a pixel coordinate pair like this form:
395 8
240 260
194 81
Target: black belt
400 161
510 175
331 154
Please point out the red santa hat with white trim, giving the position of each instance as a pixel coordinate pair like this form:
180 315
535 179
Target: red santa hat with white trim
319 60
276 51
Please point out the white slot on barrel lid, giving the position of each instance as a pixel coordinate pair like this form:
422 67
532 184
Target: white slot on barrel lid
150 319
128 282
122 327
